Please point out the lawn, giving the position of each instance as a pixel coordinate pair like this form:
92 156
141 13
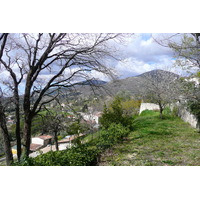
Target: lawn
156 142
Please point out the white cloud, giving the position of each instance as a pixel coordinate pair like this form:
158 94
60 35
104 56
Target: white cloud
99 75
143 54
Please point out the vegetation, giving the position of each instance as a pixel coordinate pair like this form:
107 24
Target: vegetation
115 114
123 137
160 87
28 57
87 153
194 107
76 156
81 154
76 128
156 142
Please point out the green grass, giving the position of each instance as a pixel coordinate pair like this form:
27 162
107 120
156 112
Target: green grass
156 142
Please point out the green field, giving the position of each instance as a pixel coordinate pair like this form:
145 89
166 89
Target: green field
156 142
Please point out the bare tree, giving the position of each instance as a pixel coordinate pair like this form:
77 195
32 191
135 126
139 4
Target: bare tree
7 145
9 63
5 133
160 87
187 51
54 122
49 62
186 47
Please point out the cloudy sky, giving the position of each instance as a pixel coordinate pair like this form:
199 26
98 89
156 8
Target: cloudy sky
144 54
141 54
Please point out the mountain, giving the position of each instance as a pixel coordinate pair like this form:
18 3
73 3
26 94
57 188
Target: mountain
133 84
158 72
101 88
92 82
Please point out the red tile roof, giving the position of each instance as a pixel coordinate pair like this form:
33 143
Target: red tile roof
35 147
45 137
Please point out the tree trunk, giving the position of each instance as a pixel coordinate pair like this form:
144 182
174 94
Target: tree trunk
17 133
56 141
17 116
7 145
27 116
27 136
161 111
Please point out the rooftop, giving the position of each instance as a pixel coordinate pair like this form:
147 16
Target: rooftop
35 147
45 137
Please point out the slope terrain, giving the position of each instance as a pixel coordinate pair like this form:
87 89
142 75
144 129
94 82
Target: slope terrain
156 142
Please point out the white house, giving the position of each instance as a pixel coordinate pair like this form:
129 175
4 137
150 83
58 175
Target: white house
93 117
43 140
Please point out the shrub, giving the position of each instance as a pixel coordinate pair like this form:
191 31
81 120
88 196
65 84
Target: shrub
76 156
114 134
175 111
114 114
194 107
167 111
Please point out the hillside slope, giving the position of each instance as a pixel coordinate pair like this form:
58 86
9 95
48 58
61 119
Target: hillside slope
130 84
156 142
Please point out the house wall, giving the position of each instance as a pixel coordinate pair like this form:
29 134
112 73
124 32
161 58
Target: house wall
90 117
37 141
46 142
64 146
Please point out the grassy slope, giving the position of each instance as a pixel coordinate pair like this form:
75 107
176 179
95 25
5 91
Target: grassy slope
157 142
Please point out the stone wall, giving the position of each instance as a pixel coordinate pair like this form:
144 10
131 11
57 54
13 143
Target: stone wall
148 106
187 116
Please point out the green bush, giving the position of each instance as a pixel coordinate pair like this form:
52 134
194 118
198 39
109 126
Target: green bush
194 107
115 114
75 156
114 134
175 111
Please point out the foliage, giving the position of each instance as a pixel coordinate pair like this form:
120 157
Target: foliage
83 154
131 107
1 144
76 128
156 142
60 137
124 95
195 109
161 87
115 114
114 134
167 111
76 156
187 51
174 111
191 94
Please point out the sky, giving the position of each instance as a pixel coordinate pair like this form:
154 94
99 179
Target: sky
141 54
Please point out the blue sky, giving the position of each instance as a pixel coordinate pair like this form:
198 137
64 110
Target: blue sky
146 36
